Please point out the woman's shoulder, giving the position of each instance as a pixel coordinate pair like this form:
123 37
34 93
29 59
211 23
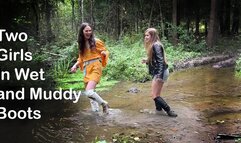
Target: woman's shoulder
99 43
97 40
158 44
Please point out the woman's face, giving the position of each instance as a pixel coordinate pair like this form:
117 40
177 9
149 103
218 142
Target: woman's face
147 37
87 32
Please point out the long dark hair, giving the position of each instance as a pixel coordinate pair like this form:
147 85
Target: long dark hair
81 38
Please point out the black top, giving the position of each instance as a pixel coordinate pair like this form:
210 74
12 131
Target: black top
157 65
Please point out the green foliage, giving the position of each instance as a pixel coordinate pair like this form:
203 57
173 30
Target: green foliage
237 140
187 39
125 61
66 57
59 58
61 68
97 140
238 66
74 81
178 54
126 56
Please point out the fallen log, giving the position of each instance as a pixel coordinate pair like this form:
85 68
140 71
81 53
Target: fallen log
226 63
200 61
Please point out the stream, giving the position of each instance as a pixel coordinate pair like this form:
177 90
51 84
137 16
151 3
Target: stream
207 101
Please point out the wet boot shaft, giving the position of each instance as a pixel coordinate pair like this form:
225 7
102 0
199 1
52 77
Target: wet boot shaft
160 102
158 106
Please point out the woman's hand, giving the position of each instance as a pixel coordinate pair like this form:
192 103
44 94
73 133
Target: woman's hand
74 68
103 53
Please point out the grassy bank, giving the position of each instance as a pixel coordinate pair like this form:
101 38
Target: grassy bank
125 59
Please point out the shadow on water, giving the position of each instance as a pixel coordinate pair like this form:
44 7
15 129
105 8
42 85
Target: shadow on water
207 101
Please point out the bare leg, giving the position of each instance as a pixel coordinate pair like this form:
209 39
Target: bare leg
156 91
157 85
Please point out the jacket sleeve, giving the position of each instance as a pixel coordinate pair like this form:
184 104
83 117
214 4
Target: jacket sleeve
158 58
81 63
100 46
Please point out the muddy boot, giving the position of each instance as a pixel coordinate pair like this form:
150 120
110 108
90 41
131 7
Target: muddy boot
159 110
158 107
105 108
94 105
171 113
94 96
165 106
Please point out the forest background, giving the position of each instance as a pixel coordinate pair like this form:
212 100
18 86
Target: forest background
188 29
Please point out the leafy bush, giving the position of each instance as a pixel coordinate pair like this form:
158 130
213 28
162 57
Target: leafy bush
238 66
125 62
125 59
187 38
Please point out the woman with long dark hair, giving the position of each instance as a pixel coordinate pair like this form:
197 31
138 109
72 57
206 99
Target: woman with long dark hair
92 57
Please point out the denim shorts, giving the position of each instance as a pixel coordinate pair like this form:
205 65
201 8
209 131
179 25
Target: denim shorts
165 76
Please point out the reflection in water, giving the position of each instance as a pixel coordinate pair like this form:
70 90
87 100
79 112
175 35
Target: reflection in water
215 93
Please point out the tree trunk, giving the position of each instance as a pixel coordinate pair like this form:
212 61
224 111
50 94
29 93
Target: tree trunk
73 15
35 8
188 15
162 21
227 17
150 17
236 13
197 21
81 10
221 16
92 13
48 23
212 32
174 20
118 22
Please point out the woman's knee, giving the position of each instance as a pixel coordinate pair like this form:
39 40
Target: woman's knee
91 85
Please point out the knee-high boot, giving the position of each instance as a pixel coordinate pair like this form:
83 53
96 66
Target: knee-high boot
158 107
94 96
162 103
94 105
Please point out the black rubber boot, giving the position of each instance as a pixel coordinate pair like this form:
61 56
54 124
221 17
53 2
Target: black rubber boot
158 107
161 102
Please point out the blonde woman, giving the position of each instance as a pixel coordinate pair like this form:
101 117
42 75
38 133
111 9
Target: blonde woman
158 68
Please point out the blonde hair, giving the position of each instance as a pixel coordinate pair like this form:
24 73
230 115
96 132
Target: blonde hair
154 39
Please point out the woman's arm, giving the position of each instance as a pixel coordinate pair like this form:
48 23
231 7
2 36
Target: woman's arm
74 67
158 55
100 47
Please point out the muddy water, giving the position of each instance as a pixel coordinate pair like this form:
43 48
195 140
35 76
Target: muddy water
207 100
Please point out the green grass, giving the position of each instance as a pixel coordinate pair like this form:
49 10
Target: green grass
75 81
